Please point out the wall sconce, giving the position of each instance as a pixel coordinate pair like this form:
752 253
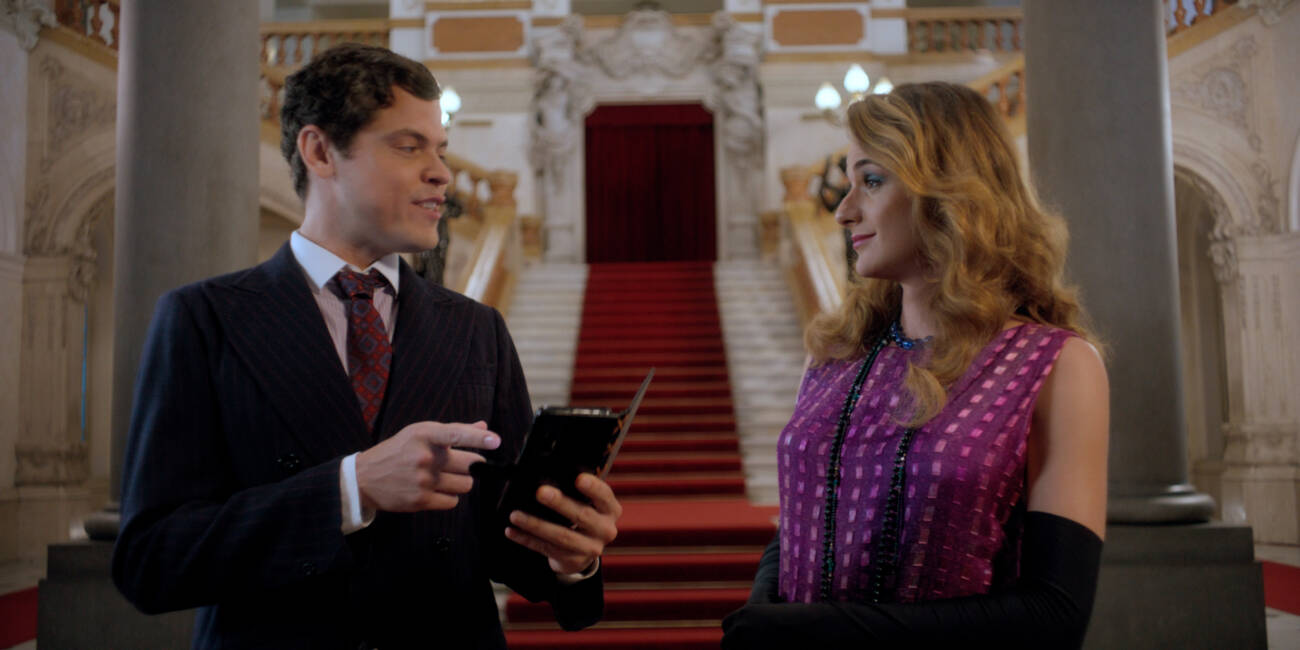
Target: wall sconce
450 102
856 84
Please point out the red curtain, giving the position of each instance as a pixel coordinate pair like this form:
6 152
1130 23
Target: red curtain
650 185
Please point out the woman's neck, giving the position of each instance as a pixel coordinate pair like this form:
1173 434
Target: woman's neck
917 319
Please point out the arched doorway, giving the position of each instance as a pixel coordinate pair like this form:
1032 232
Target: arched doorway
1205 379
650 183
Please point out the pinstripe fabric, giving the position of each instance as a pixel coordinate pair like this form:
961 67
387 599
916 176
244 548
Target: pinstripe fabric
230 494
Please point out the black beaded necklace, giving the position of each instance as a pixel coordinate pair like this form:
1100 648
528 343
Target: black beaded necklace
885 553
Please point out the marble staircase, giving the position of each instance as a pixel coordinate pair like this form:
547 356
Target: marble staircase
765 357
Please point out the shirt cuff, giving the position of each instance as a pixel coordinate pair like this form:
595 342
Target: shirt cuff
574 578
355 517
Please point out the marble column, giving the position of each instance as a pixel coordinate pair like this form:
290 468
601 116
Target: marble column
1100 150
187 166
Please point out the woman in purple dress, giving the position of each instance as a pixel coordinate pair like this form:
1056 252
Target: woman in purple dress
943 478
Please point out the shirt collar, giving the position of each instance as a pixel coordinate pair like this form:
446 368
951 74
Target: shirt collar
321 265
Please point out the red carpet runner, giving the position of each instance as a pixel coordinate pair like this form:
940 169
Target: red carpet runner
689 541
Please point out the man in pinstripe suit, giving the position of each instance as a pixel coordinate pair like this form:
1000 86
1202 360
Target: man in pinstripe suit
270 490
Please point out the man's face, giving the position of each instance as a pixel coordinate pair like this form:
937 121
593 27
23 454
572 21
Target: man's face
388 190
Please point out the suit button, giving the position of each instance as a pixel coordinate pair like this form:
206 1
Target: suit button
289 462
442 544
308 569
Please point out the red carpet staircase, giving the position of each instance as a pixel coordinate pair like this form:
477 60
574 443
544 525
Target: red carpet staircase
689 541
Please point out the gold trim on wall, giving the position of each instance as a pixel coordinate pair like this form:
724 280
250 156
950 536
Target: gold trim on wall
490 5
458 64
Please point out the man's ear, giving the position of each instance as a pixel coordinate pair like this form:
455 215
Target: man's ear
314 148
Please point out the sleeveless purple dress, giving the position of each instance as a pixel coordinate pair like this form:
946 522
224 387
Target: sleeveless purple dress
962 477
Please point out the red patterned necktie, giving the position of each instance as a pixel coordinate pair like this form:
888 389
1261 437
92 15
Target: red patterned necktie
370 354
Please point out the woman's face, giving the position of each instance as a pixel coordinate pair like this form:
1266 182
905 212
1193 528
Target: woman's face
877 212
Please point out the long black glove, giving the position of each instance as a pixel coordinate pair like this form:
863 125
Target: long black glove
767 581
1048 607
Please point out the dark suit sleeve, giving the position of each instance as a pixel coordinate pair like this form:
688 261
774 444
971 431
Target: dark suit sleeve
1048 607
526 572
189 535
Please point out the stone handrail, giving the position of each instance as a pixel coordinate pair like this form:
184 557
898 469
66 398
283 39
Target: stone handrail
490 278
97 20
959 29
292 44
1179 19
816 285
1005 89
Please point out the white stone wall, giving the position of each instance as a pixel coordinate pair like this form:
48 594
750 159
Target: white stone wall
13 156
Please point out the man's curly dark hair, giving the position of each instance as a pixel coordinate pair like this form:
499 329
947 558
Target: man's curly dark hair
340 90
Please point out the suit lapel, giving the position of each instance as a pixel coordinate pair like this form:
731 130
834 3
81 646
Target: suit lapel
433 336
276 328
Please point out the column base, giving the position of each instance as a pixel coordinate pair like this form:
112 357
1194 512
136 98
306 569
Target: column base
80 608
1174 504
1187 587
103 525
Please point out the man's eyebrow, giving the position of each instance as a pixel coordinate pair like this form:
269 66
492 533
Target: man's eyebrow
408 133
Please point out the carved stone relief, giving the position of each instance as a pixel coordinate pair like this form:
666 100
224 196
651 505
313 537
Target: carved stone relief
647 43
648 49
1222 90
1270 11
25 19
74 107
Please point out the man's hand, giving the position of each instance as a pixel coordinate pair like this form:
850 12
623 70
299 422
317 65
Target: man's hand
417 469
570 550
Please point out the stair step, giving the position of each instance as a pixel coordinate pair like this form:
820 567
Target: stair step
628 332
638 442
679 567
677 484
668 406
599 319
664 344
686 423
691 461
634 360
663 374
672 523
645 605
697 636
602 390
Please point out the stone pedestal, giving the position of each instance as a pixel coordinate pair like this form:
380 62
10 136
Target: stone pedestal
80 607
1186 587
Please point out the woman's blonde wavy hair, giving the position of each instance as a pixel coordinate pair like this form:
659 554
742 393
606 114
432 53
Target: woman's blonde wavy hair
994 253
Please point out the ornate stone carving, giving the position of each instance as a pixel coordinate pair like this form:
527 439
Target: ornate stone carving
1268 218
647 54
1224 256
25 18
52 232
735 93
74 107
560 100
42 463
1222 90
1270 11
646 42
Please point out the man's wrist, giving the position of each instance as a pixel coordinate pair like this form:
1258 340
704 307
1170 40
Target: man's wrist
574 578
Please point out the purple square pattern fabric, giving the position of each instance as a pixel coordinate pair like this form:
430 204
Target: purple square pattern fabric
964 486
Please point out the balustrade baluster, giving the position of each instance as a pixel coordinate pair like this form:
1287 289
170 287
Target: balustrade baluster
1015 35
962 35
1200 10
1180 14
998 41
1004 103
96 22
117 20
